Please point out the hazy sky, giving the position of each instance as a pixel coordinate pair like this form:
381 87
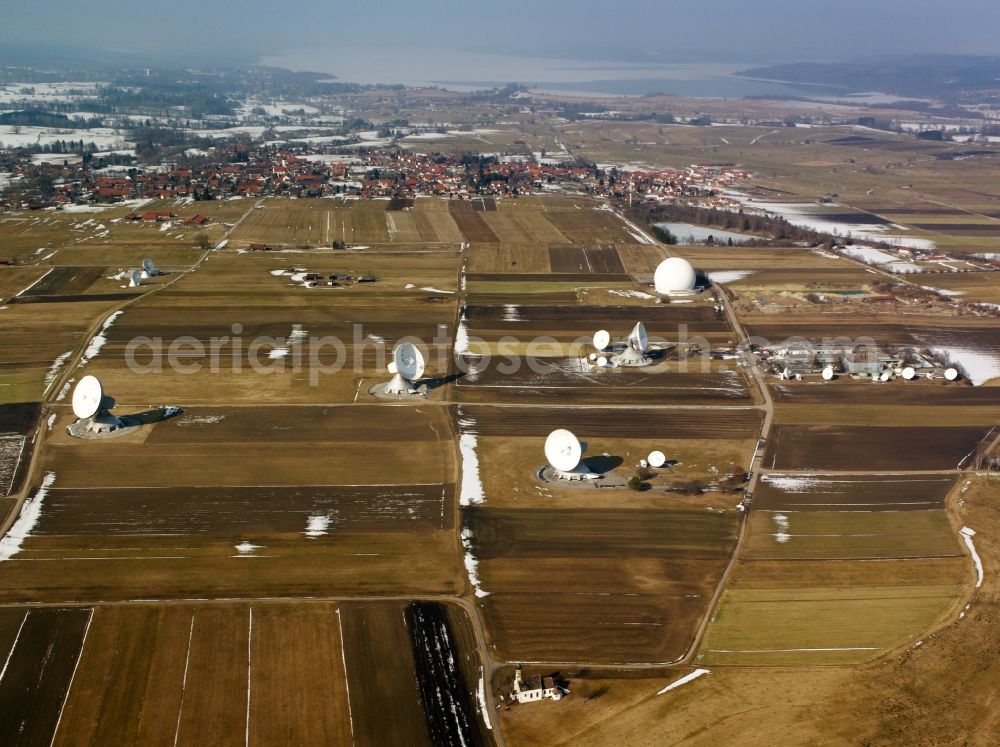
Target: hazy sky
725 30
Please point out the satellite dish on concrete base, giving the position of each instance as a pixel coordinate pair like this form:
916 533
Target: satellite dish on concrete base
149 269
635 350
564 452
407 366
91 405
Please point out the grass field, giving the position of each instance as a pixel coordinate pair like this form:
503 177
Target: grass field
769 627
849 534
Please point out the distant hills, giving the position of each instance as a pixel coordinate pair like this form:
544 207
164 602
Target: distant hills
949 77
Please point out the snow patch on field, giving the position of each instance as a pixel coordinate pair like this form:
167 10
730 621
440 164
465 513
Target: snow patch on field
512 313
99 340
869 255
472 486
781 524
967 535
201 420
794 484
296 336
318 525
481 698
461 335
631 294
471 564
246 549
56 367
31 510
65 390
431 289
684 680
729 276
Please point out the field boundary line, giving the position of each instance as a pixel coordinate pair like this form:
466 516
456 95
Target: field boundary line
347 679
249 673
187 660
10 653
72 678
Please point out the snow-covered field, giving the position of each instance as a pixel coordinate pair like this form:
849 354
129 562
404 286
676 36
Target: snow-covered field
729 276
810 216
12 136
980 367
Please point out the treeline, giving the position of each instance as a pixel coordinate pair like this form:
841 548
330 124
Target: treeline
768 228
40 118
71 147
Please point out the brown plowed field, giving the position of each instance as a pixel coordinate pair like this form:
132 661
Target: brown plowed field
820 447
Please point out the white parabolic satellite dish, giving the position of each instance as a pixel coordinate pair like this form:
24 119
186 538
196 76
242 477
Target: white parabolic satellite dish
602 361
909 373
148 266
87 397
951 374
602 338
674 275
828 373
409 361
657 459
563 450
638 337
135 279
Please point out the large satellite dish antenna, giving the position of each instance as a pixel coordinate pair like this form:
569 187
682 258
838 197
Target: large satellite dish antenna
149 268
828 373
951 374
634 353
657 459
602 338
406 367
135 279
602 361
563 450
886 375
87 397
908 373
409 361
638 338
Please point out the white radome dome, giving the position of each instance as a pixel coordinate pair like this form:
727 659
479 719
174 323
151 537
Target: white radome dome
674 275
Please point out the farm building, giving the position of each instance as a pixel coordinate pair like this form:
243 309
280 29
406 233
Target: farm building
534 688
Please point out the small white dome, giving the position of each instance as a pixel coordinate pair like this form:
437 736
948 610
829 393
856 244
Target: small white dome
674 275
